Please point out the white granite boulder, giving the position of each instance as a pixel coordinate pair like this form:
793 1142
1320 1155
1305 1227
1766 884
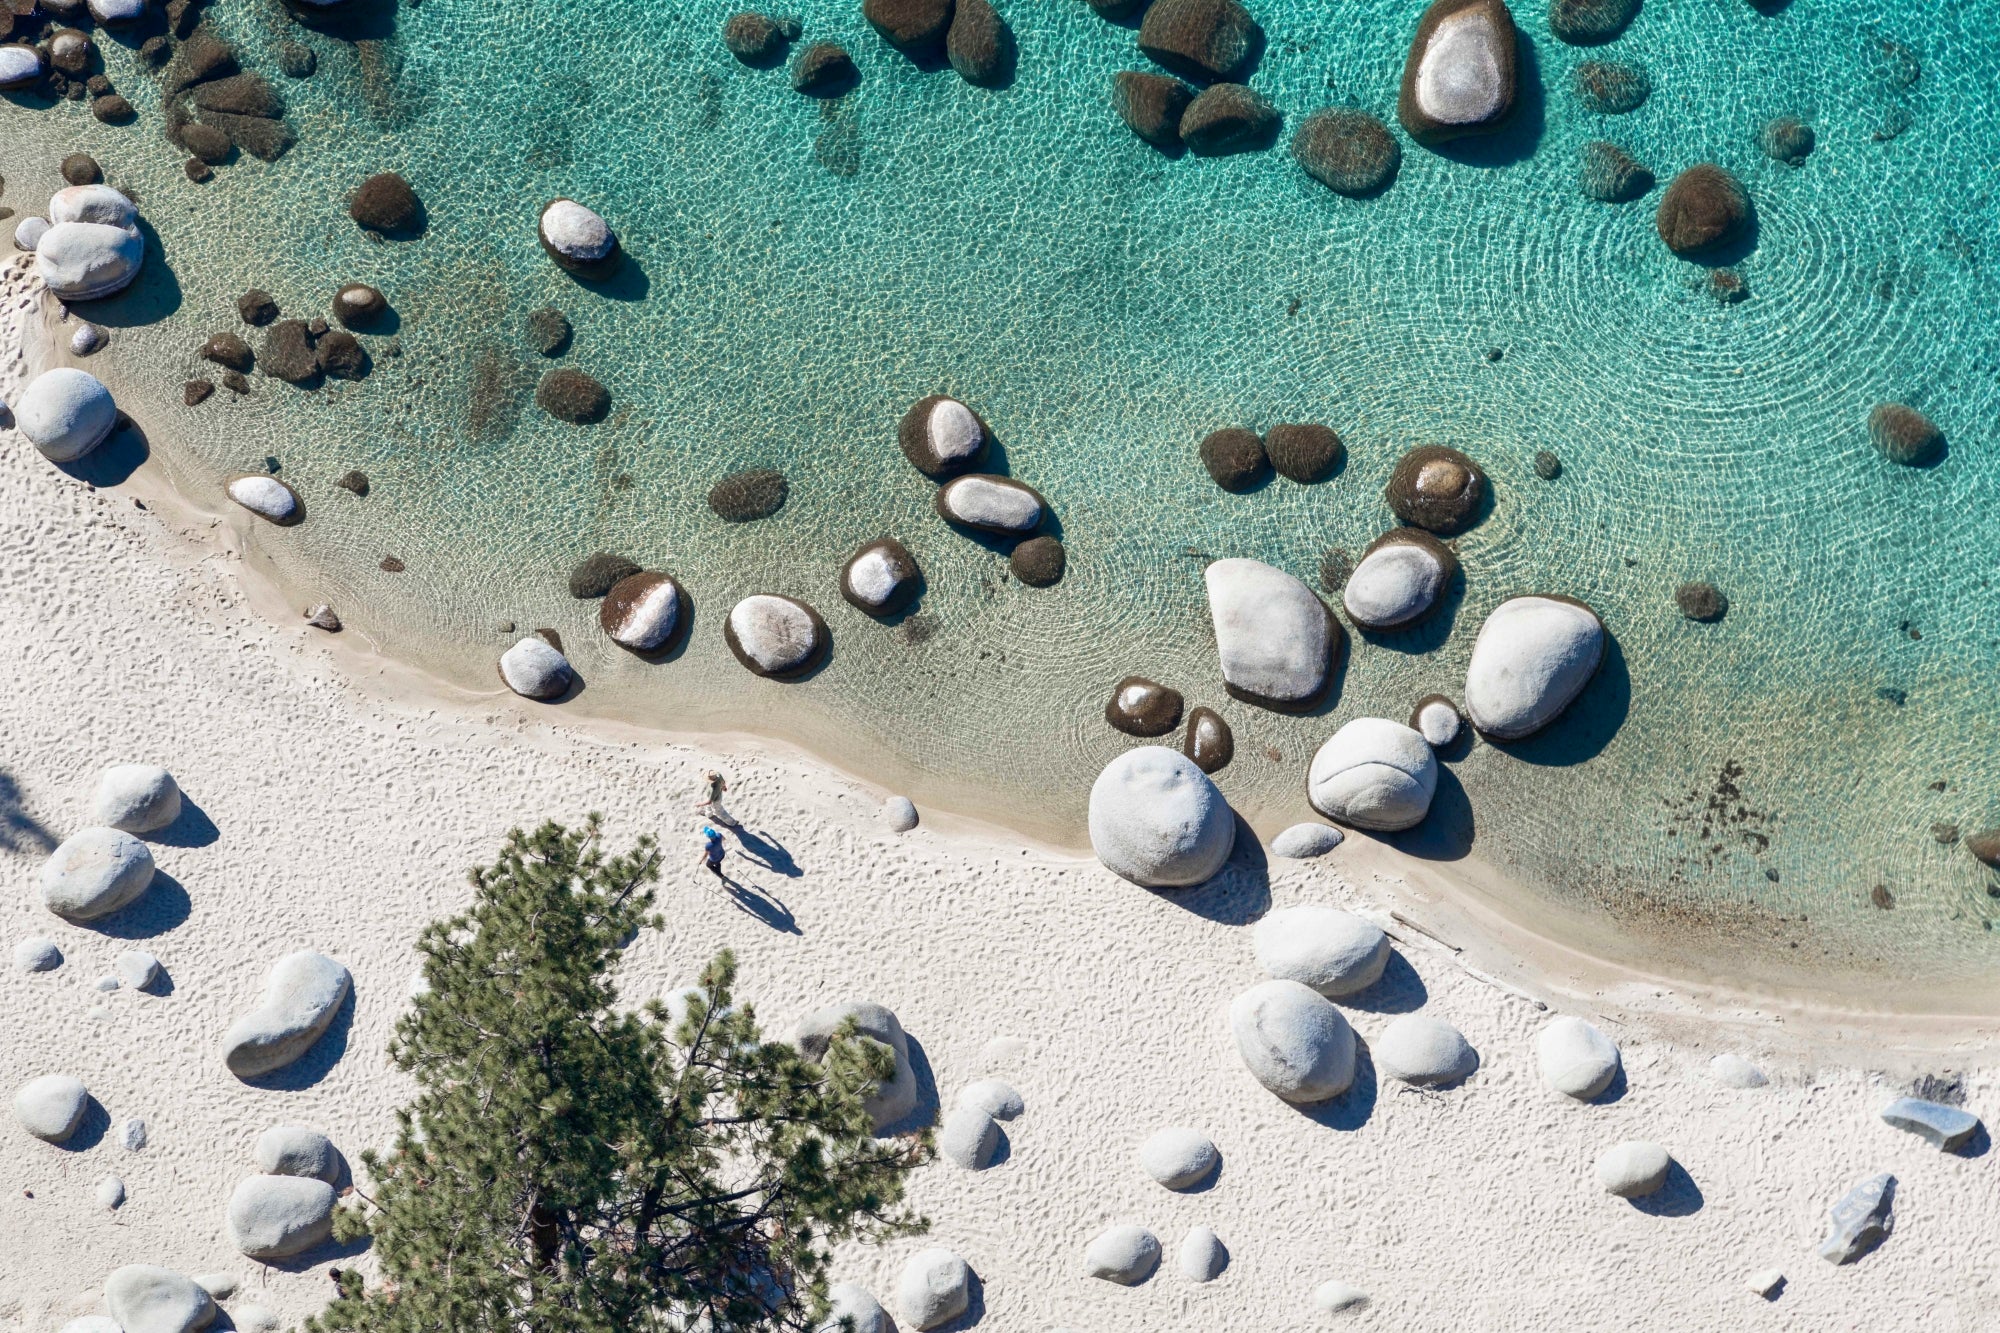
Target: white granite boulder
1461 72
534 669
1533 657
996 1097
1126 1255
1633 1169
900 814
1178 1157
1861 1220
1293 1040
775 636
578 238
1303 842
294 1150
28 232
852 1308
642 611
90 1323
94 872
275 1217
1334 952
1575 1058
136 798
1276 639
37 953
52 1106
1437 720
20 66
219 1285
1374 774
935 1288
880 578
82 261
301 995
1425 1051
1399 581
896 1096
1733 1071
65 413
146 1299
136 969
1203 1255
1157 820
114 12
999 505
99 205
969 1138
265 496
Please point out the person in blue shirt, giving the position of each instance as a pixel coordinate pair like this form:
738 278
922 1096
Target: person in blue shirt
712 851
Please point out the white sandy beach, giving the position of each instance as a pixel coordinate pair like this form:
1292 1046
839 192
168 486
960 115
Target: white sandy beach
341 799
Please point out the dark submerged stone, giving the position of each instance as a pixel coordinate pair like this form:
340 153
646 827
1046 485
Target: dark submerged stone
1348 151
824 69
1703 209
572 396
1904 435
549 331
228 351
745 497
1228 118
1151 105
1611 87
1304 453
1208 40
288 353
1039 562
256 307
1436 488
1234 457
1608 174
1701 601
1209 741
596 574
384 202
1141 707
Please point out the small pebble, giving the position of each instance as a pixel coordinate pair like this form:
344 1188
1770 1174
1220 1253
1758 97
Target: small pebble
1766 1283
86 340
221 1286
107 983
110 1192
37 954
133 1134
137 968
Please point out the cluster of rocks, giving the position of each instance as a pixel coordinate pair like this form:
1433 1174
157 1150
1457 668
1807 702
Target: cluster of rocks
49 55
213 106
301 352
1146 708
971 1136
89 246
948 442
287 1207
1237 459
969 35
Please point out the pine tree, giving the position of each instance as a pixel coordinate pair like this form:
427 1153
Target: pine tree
573 1166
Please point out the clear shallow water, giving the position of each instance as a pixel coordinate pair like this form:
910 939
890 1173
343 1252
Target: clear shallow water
1104 307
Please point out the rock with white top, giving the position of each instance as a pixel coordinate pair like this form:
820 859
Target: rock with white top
969 1138
997 505
87 339
1334 952
1203 1255
294 1150
1178 1157
136 969
896 1096
146 1299
65 413
1303 842
1293 1040
1575 1058
1157 820
99 205
880 578
1437 720
110 1193
114 12
1733 1071
852 1308
1400 580
301 995
136 798
82 261
579 239
19 66
52 1106
996 1097
37 953
275 1217
935 1288
774 636
28 232
1461 73
94 872
1765 1282
1634 1169
1374 774
1339 1298
643 611
1862 1219
1533 657
1946 1128
1126 1255
942 437
1425 1051
900 814
266 497
1276 639
534 669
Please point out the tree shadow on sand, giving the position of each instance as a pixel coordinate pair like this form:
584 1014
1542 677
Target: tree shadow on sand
19 830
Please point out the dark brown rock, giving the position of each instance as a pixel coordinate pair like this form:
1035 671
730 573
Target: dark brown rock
549 331
1151 105
154 51
240 95
979 44
1229 118
1209 742
357 305
113 110
1348 151
1117 9
1234 457
824 69
1726 285
1547 466
197 170
1304 453
1882 898
1209 40
1582 22
1437 489
288 353
1786 139
297 61
917 28
1611 87
745 497
236 381
385 202
196 392
391 565
1141 707
1701 601
1904 435
97 85
355 481
1704 208
1335 568
206 142
229 351
1470 104
756 39
256 307
264 139
880 578
70 50
201 57
341 355
1985 847
1039 561
1610 175
572 396
1944 834
595 575
81 169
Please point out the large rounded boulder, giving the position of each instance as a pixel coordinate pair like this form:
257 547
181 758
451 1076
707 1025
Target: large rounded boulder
1276 639
1157 820
578 239
1228 118
1293 1040
776 636
1424 1051
94 872
1533 657
942 437
65 413
1209 40
1151 105
1334 952
1348 151
894 1097
643 612
302 994
1399 581
275 1217
136 798
1374 774
1904 435
385 203
82 261
1575 1058
534 668
881 577
917 28
1461 72
1704 209
1436 488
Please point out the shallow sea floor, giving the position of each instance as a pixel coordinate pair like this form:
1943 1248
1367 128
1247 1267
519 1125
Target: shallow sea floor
801 272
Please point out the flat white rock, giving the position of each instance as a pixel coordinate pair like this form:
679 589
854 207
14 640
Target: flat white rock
1334 952
136 798
1303 842
576 232
1293 1041
533 669
1126 1255
275 1217
1765 1282
1575 1058
1633 1169
934 1289
94 872
1374 774
133 1134
301 995
147 1299
993 504
52 1106
117 11
1458 76
1159 821
265 496
1275 638
1533 657
82 261
219 1285
1733 1071
65 413
19 65
776 633
1178 1157
1203 1255
99 205
1395 583
1419 1049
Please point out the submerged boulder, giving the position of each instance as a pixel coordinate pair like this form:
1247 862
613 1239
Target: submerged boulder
1228 118
1209 40
1703 209
917 28
745 497
1304 452
1276 639
65 413
288 353
533 668
1348 151
1436 488
385 202
1903 434
1703 602
1234 458
1151 105
880 578
1786 139
94 872
596 573
896 1096
642 611
1159 821
1533 657
1374 774
1461 72
1612 87
979 44
1293 1040
1039 562
1607 173
756 39
1399 581
824 69
942 437
570 395
578 239
999 505
1586 21
301 995
775 636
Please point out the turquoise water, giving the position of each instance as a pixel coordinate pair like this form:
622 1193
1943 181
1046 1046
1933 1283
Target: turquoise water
803 271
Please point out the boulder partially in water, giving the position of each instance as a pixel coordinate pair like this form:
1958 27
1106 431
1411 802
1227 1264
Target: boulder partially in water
776 636
1399 581
265 496
942 437
1533 657
1039 562
1437 720
1373 774
1141 707
1348 151
1158 820
643 611
1209 741
880 578
534 668
1229 118
1436 488
917 28
288 353
20 67
1151 105
357 305
1704 209
578 239
1461 73
1208 40
84 261
993 504
1276 639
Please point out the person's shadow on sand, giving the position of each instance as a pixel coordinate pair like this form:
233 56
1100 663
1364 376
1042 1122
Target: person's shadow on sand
755 901
762 849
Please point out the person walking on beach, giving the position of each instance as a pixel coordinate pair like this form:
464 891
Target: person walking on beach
710 803
712 851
